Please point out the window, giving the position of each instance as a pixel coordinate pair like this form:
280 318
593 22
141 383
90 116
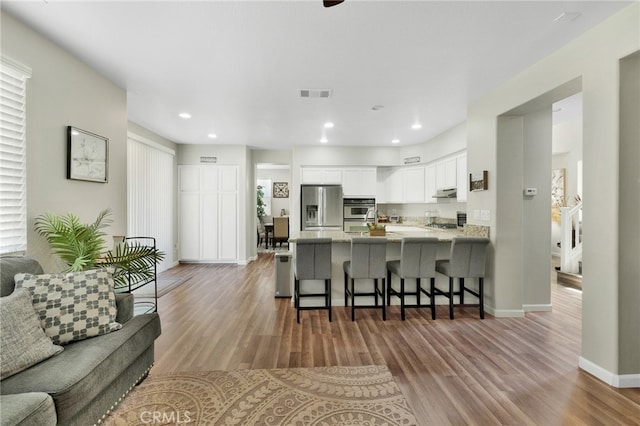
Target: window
266 187
13 173
150 194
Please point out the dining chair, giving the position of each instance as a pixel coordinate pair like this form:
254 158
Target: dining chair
280 230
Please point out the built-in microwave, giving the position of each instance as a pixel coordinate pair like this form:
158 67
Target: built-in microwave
357 208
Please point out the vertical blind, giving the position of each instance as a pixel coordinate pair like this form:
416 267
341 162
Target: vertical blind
150 194
13 174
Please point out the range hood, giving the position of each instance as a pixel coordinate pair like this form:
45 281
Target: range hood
446 193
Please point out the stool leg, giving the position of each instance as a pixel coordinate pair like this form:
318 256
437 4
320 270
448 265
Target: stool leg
384 307
433 298
450 297
402 298
376 291
481 294
346 294
418 291
388 287
462 291
328 296
296 300
353 300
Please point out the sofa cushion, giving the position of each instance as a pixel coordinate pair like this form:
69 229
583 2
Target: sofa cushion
79 374
32 408
10 266
22 339
74 305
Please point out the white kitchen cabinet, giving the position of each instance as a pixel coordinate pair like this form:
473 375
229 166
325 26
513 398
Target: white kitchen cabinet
430 184
395 185
321 175
446 173
462 180
414 184
359 182
208 212
381 184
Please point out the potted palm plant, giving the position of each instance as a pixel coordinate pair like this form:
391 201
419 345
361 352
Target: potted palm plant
81 247
261 204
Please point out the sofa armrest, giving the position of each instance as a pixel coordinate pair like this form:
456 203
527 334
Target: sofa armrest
124 306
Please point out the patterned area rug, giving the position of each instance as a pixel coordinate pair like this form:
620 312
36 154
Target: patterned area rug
289 396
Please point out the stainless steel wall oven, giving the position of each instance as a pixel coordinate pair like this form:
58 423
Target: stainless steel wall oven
355 213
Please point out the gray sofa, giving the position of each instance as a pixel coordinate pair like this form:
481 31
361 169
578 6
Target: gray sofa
82 383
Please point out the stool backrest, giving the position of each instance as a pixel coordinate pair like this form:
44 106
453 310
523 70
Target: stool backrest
418 257
468 256
368 257
313 258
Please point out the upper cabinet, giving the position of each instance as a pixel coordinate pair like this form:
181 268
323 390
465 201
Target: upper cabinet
321 175
446 175
414 184
359 182
462 177
430 184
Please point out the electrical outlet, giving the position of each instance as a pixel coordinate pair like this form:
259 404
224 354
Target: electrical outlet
485 215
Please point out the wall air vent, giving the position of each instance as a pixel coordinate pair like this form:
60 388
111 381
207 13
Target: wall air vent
315 93
209 160
411 160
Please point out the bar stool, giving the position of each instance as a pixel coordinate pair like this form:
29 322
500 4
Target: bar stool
467 260
313 262
417 260
368 260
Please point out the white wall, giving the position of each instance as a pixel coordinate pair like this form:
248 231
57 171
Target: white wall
64 91
594 59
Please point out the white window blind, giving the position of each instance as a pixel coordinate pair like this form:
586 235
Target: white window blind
150 194
13 173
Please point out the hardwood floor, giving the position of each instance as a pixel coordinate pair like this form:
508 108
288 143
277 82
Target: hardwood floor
506 371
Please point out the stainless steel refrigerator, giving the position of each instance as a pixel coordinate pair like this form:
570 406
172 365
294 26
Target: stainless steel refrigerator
321 207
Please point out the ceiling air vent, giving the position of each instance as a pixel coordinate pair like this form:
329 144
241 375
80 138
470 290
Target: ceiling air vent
315 93
208 159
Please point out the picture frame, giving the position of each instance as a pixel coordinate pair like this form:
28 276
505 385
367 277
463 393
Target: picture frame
478 181
280 189
87 156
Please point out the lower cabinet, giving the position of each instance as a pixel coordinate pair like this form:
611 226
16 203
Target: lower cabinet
208 212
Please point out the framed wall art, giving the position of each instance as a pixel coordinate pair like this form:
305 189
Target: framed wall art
478 181
87 156
280 189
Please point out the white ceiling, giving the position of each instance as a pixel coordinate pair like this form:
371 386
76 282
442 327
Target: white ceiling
237 66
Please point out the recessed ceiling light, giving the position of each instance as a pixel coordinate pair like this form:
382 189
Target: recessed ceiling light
324 140
212 135
184 115
416 126
395 141
328 125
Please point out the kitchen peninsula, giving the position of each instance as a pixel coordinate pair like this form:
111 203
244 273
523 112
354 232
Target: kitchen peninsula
341 252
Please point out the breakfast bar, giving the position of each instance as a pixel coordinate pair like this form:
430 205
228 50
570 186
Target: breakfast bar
341 252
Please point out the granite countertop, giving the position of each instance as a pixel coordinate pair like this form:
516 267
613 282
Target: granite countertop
395 233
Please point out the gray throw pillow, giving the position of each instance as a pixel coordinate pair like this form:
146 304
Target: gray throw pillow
73 306
22 339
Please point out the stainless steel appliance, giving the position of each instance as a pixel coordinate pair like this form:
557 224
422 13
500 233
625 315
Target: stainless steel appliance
357 212
321 207
461 219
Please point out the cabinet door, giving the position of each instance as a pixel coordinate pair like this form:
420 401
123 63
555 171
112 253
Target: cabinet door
395 183
209 226
446 174
332 176
228 179
209 178
462 177
311 175
189 225
382 176
189 177
228 247
430 184
413 183
359 182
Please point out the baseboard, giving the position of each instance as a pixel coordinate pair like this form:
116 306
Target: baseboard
615 380
542 307
504 313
